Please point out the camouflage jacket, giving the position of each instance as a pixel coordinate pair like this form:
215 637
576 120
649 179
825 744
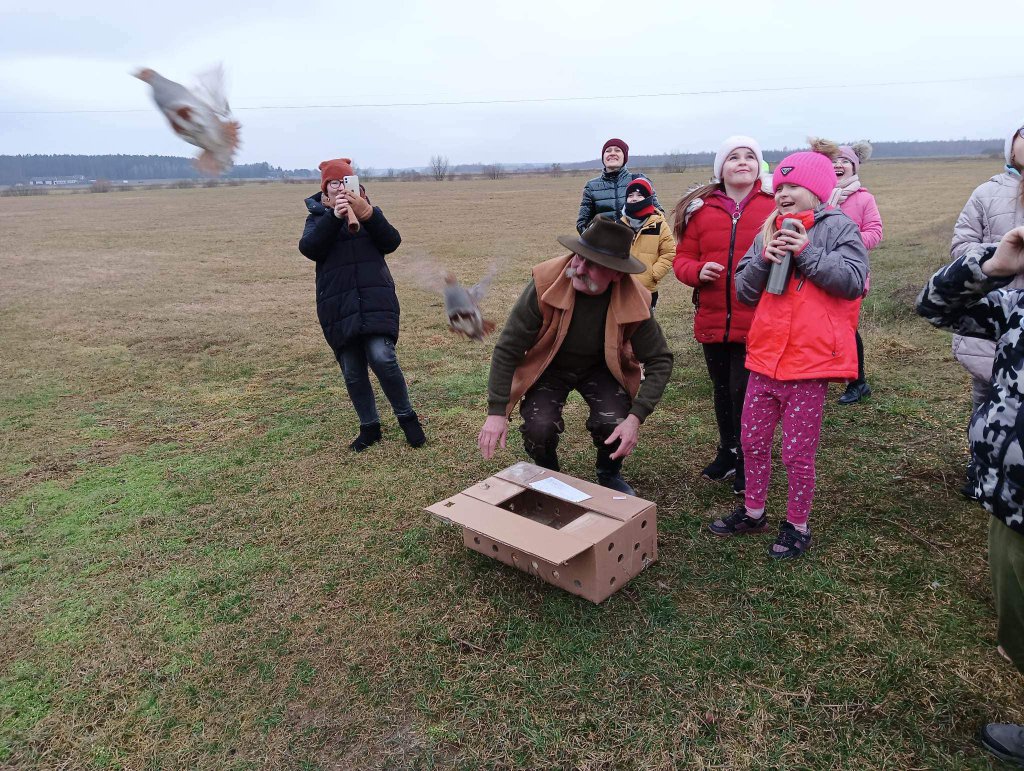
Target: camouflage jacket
962 298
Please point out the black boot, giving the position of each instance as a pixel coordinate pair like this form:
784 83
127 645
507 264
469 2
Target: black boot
722 467
855 391
413 430
547 460
368 435
609 472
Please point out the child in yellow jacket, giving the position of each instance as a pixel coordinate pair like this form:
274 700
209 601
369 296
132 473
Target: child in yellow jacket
653 243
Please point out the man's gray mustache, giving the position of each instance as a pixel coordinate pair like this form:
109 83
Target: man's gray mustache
571 273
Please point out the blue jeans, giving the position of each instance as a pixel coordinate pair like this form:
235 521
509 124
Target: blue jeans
374 352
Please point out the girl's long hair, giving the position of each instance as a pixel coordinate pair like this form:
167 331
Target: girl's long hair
768 230
679 212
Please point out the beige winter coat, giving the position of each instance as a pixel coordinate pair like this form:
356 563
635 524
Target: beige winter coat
993 210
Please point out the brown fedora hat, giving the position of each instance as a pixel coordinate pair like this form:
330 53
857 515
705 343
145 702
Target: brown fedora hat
605 242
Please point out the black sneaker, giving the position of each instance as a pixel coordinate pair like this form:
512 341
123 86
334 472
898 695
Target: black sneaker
1005 741
855 391
791 542
738 522
739 481
722 467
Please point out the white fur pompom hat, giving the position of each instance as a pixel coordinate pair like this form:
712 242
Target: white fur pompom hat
731 144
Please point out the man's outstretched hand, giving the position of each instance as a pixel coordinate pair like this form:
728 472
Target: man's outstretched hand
627 433
493 434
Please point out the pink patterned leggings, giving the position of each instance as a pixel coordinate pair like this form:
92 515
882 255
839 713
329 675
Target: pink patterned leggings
798 404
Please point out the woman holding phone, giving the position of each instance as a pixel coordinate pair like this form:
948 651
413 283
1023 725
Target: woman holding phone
356 301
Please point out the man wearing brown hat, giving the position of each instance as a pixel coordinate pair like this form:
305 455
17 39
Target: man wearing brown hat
584 323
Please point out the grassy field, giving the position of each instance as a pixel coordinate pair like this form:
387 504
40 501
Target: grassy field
196 573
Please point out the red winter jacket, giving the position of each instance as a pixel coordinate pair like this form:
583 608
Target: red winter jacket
720 231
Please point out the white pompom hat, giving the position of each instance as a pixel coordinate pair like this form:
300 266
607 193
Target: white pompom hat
731 144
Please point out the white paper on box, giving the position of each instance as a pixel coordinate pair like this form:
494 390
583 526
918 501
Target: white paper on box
559 489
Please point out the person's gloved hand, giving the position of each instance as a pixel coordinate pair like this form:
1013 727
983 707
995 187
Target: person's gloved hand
359 206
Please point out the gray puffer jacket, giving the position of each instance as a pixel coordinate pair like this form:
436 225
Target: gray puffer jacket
962 298
835 259
607 195
993 210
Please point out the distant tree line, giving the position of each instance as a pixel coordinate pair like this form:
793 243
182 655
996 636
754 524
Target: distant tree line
22 168
15 169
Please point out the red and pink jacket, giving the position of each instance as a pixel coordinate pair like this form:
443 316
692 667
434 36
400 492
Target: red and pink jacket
720 231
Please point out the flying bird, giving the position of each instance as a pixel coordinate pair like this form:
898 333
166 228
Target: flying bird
461 304
463 307
201 116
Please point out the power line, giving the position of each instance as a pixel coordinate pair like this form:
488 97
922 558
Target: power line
545 100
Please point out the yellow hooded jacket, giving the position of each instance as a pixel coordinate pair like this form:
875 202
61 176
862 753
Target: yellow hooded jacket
655 247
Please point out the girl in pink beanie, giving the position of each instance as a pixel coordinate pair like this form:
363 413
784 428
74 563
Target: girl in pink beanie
859 205
801 338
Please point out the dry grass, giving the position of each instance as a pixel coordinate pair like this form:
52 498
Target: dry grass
194 572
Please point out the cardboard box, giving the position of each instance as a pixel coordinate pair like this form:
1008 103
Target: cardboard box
577 535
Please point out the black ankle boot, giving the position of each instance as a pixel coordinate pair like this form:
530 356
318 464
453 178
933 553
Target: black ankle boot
609 473
368 435
413 430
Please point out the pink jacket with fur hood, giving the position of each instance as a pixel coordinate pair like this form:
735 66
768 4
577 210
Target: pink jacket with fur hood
860 206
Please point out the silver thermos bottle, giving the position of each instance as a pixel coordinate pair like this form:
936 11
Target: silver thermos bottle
779 273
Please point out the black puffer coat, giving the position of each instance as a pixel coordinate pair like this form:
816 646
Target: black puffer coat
607 195
355 293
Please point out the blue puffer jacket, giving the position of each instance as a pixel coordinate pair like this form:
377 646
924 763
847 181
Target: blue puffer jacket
607 195
355 293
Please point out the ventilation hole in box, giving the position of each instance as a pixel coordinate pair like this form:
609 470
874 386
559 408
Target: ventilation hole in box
577 584
449 504
636 546
612 582
611 546
515 557
644 556
476 539
620 558
643 524
535 566
494 547
554 574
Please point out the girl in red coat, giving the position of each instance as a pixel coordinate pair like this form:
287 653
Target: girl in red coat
714 226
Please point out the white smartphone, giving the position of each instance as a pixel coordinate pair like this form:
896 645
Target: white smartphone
351 184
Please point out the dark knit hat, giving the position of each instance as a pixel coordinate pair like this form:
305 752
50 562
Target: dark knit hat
643 208
613 142
641 185
335 169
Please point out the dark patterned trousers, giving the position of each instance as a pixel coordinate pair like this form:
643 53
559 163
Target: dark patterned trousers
541 411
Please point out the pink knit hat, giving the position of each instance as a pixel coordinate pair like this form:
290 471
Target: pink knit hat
807 169
845 151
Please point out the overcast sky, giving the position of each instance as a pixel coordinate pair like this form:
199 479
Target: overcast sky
67 56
